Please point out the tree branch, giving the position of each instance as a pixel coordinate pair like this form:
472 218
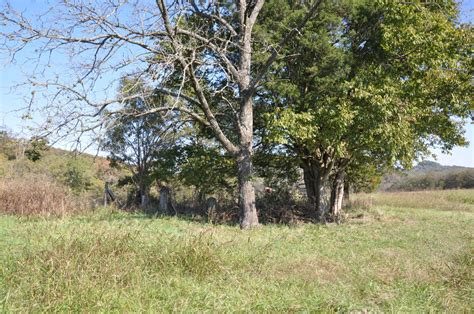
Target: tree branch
282 43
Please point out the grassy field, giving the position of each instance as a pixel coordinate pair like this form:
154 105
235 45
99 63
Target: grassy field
404 254
450 200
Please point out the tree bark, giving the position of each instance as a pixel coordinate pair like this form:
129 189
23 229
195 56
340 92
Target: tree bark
248 210
211 209
346 191
315 178
164 199
337 193
144 196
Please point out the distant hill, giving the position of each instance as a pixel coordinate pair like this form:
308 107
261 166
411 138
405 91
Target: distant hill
429 175
428 166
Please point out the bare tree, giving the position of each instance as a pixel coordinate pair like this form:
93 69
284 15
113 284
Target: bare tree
199 53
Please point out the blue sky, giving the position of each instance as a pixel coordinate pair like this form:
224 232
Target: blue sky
11 101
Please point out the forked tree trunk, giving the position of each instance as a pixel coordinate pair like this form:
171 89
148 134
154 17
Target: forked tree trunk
337 194
315 177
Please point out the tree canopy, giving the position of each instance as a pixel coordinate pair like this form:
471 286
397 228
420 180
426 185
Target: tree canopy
336 88
367 82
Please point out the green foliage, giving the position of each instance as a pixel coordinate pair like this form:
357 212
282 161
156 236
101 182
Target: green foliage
364 177
368 81
81 174
139 141
77 175
36 148
435 180
208 169
7 145
166 163
278 170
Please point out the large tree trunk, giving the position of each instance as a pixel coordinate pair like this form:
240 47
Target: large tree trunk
144 196
165 200
346 191
337 193
315 178
248 211
312 182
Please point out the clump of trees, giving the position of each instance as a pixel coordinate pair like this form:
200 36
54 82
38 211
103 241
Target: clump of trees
367 86
435 180
136 141
215 93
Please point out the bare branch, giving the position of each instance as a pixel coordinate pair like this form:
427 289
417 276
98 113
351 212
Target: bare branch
214 17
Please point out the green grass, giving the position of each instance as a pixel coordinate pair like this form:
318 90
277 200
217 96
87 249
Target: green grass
384 259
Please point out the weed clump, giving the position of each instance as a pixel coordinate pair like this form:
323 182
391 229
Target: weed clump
195 256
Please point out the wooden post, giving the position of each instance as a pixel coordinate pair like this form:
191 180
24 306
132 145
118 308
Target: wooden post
346 191
108 194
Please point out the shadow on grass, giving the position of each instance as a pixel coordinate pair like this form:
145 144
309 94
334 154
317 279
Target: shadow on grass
293 215
225 216
115 214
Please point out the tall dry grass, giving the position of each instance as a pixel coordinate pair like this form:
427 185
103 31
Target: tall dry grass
447 200
34 195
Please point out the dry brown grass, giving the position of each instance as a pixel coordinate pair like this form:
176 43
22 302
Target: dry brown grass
34 195
360 203
447 200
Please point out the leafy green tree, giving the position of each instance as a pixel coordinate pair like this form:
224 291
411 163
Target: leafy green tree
78 174
366 82
8 145
36 147
208 169
199 52
135 139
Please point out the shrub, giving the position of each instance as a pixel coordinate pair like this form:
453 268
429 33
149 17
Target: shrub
34 195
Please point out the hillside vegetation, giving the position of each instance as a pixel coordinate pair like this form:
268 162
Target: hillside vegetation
386 258
50 180
429 175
